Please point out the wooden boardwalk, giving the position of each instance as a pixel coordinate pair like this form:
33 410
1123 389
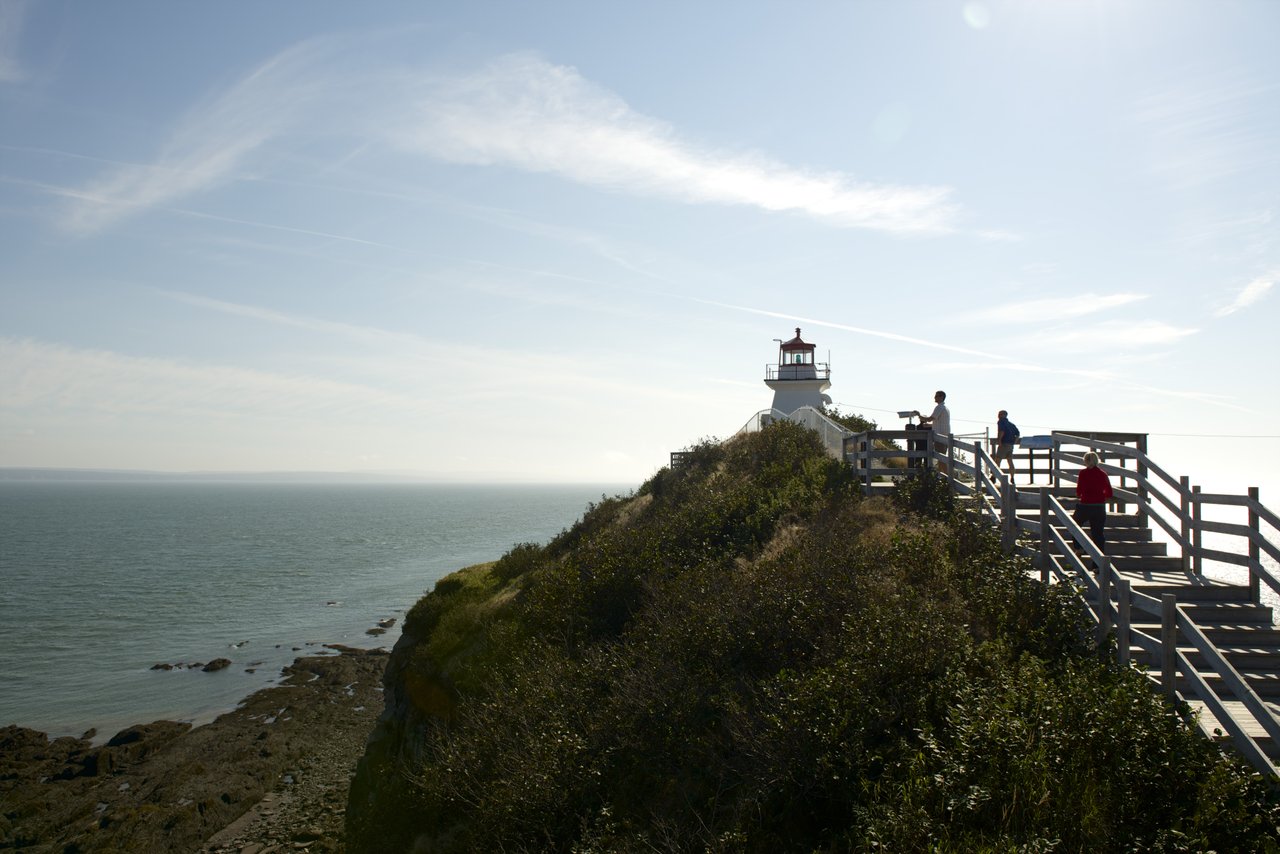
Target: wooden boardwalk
1240 627
1206 642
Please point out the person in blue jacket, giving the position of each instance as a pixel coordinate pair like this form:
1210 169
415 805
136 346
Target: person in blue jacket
1005 439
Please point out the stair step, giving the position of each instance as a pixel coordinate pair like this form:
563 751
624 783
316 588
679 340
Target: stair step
1238 711
1211 612
1148 563
1128 548
1126 520
1254 658
1137 559
1222 633
1187 593
1120 526
1266 685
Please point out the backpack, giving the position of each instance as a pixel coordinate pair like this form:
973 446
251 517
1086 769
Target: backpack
1012 435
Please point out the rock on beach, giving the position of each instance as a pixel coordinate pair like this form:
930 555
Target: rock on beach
166 786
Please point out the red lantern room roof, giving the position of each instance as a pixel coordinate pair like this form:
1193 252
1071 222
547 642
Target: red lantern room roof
796 343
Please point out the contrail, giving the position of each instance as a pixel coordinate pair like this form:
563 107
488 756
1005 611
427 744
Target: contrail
892 336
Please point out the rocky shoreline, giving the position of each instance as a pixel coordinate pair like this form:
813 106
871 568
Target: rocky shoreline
271 775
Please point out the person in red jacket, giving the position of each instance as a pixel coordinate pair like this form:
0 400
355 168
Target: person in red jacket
1093 491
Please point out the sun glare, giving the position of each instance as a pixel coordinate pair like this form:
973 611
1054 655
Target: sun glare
977 15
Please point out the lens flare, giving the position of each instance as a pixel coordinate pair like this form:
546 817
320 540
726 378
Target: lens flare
977 15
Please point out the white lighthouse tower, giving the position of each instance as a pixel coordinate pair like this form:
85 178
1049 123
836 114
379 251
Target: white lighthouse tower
797 380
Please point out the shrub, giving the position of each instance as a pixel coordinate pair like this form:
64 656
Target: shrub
472 584
522 559
748 656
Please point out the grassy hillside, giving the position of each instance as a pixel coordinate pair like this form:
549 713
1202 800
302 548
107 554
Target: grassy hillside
747 655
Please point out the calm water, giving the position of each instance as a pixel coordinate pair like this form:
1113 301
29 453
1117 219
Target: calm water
99 581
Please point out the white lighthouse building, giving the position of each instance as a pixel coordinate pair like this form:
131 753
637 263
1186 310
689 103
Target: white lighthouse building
797 380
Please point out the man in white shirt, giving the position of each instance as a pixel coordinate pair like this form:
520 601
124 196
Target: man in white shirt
940 420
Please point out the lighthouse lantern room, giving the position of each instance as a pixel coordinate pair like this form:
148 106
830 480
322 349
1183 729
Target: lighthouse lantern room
797 380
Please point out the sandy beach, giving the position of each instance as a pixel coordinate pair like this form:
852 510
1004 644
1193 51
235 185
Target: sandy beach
270 775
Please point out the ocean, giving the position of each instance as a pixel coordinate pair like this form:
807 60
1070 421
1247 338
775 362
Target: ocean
99 581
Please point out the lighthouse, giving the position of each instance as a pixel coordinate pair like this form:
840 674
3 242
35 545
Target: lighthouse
797 380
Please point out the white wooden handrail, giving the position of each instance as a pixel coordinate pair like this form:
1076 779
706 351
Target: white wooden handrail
1213 656
1072 540
1241 739
1155 490
1187 512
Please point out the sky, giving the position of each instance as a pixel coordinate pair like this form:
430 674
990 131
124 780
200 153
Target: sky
556 241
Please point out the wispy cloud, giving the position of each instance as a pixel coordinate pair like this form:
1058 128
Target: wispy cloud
403 359
38 374
1254 229
1207 131
1093 374
364 334
1056 308
524 112
520 112
875 333
1114 335
214 141
12 16
1091 378
1249 294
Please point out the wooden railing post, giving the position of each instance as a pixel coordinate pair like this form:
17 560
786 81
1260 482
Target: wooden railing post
951 460
1009 515
1185 516
1197 535
1055 463
1104 600
1255 553
1169 645
977 469
1122 623
1044 534
1120 506
1144 498
866 460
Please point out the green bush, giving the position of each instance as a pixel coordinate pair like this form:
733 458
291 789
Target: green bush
749 656
850 420
472 584
1082 757
522 559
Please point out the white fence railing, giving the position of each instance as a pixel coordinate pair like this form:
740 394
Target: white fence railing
832 434
1059 548
1108 594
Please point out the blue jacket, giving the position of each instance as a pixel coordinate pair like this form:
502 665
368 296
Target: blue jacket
1007 431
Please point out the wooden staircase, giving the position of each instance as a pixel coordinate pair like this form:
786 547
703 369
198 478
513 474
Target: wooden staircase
1241 628
1206 642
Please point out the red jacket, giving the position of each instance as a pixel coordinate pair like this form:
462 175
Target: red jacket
1093 486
